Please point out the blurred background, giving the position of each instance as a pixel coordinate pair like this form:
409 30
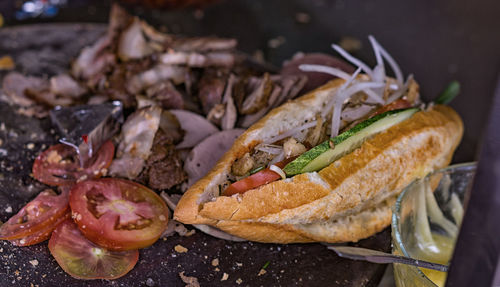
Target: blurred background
437 41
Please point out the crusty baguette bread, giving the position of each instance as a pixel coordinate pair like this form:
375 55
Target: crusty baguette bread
346 201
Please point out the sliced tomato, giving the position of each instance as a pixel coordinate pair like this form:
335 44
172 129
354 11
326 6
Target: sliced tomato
37 219
396 105
257 179
60 164
83 259
41 235
118 214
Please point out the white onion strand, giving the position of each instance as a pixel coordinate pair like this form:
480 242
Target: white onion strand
325 69
344 85
390 60
278 170
352 59
397 94
290 133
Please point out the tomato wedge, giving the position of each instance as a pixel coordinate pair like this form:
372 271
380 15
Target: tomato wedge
60 165
82 259
36 220
257 179
396 105
118 214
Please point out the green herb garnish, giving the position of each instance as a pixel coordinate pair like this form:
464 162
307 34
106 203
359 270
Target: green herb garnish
451 91
265 265
255 170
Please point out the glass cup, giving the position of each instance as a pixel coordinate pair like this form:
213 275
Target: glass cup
425 224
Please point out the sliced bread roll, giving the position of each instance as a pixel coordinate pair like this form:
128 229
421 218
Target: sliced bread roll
346 201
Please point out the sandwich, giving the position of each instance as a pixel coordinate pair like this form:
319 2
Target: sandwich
328 165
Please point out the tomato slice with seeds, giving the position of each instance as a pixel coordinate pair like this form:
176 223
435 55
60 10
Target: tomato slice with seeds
60 165
83 259
41 235
257 179
118 214
37 218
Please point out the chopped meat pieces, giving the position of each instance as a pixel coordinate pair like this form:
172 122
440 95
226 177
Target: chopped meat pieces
211 88
137 134
166 95
64 85
243 165
257 98
164 168
132 43
230 114
293 148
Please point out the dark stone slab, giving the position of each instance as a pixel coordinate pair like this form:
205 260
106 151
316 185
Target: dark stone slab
159 265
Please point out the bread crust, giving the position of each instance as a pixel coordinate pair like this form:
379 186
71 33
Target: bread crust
346 201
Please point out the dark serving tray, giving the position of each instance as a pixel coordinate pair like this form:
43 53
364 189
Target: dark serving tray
159 265
437 42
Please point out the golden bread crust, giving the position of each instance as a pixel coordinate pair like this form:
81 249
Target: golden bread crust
346 201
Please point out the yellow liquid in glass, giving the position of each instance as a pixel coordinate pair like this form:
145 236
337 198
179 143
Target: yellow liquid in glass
440 252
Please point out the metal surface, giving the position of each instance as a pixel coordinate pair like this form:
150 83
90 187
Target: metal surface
357 253
159 265
477 251
87 127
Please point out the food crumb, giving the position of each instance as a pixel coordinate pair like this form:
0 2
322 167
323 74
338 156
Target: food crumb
8 209
198 14
7 63
239 264
350 44
239 281
181 249
217 269
34 262
30 146
262 272
302 18
189 280
215 262
150 282
225 276
276 42
17 272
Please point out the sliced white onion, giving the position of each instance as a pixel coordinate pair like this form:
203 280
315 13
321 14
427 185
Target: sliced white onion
352 59
394 65
291 132
278 158
277 170
376 50
217 233
324 69
171 200
172 204
373 95
397 94
342 96
344 85
334 131
269 148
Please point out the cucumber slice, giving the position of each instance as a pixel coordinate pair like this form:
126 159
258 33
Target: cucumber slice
322 155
